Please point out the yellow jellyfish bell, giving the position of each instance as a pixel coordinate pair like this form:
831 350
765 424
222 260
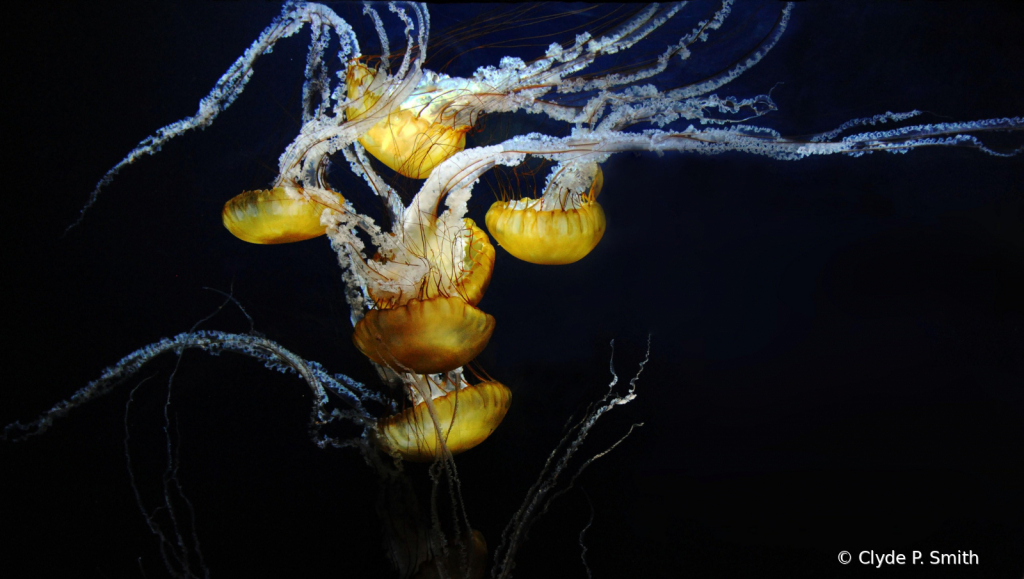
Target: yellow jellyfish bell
472 276
271 216
412 140
479 264
549 237
466 417
425 320
424 336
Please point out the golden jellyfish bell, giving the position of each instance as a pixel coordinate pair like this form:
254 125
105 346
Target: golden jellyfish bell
472 276
271 216
412 139
549 237
424 336
456 261
479 264
466 417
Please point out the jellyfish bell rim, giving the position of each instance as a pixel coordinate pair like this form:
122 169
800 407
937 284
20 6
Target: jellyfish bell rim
480 254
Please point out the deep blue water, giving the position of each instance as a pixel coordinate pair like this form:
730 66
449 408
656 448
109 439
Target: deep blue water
837 351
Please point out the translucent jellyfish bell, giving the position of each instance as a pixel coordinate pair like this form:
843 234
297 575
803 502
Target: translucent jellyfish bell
561 227
271 216
425 291
415 137
424 336
441 263
465 418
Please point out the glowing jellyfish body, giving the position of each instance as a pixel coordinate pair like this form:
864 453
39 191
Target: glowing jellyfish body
466 417
424 336
552 237
438 261
417 135
426 290
555 236
278 215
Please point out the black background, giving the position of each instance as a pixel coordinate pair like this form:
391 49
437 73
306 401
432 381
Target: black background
838 343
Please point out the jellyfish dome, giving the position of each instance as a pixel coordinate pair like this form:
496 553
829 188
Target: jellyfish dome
465 417
279 215
414 138
424 336
561 227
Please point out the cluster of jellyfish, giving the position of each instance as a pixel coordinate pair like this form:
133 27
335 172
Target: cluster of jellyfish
414 290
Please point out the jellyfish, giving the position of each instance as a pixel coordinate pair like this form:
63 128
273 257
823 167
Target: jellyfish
410 140
561 227
464 417
279 215
415 264
425 337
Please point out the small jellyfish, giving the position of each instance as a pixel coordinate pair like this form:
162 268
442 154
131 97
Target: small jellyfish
271 216
561 227
464 417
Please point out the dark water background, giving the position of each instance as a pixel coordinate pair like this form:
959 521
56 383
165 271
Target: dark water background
837 358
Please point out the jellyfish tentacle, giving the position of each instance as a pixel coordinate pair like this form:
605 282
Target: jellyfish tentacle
317 82
455 178
272 354
230 85
751 59
360 165
661 63
382 35
544 489
872 120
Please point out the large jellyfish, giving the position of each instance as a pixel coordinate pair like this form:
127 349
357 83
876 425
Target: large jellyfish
837 344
